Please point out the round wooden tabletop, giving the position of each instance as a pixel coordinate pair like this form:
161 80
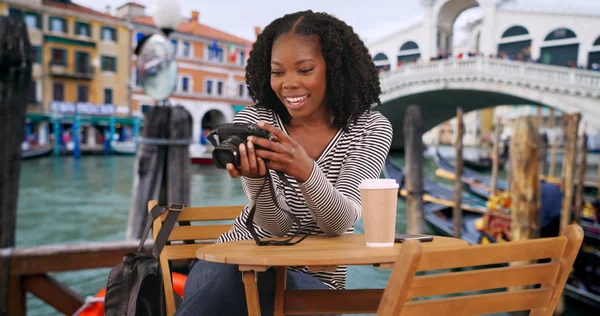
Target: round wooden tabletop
349 249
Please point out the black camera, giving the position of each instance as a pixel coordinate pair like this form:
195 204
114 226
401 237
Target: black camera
227 139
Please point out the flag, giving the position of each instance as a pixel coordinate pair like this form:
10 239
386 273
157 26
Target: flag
232 54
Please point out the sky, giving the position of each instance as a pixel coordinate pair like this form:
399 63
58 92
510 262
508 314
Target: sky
372 20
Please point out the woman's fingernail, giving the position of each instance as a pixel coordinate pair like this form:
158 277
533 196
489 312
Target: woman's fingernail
242 148
250 138
229 166
261 123
250 145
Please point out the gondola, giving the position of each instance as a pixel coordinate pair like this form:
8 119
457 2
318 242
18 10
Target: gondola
477 183
438 205
584 282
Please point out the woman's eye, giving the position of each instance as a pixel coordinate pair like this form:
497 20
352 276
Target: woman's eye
305 70
277 73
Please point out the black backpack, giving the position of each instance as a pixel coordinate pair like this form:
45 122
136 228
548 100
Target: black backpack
135 286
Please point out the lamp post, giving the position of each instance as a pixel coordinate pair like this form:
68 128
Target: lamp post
167 16
162 162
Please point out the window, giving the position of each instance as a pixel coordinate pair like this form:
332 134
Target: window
82 62
59 57
58 25
241 89
108 96
209 87
83 93
32 95
215 52
242 58
185 84
174 41
220 88
58 91
109 34
186 49
36 54
15 13
83 29
109 63
137 77
33 20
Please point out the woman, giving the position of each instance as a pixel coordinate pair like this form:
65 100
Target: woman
313 82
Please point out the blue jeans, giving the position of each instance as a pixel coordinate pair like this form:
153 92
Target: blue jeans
218 289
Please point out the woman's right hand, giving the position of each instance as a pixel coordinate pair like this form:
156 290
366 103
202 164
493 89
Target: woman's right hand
250 165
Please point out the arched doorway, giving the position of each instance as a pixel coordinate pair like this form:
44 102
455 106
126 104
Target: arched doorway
515 43
594 56
560 48
381 61
457 20
409 53
210 121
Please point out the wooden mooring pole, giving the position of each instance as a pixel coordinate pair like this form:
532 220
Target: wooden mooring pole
525 191
553 149
495 156
161 170
569 170
582 165
458 166
413 147
15 79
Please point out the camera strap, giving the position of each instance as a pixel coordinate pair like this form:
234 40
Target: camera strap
250 221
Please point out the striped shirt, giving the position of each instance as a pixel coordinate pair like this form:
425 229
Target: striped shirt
328 203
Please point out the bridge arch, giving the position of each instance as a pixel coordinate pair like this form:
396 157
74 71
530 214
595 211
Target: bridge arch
409 51
514 41
445 14
594 54
382 62
560 47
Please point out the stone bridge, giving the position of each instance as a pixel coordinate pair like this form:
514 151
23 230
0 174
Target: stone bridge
439 87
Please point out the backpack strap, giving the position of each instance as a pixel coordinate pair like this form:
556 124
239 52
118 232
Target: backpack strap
167 226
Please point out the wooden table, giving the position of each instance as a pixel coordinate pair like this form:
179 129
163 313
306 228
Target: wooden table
318 253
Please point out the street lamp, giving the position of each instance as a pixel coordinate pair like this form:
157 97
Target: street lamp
156 62
167 15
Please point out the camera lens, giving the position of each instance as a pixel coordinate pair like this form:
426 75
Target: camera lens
227 152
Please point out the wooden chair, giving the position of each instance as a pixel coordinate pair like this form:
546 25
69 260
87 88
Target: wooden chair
201 234
551 276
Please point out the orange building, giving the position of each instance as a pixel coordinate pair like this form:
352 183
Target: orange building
211 65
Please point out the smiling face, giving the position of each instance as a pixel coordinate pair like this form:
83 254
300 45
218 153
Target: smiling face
299 75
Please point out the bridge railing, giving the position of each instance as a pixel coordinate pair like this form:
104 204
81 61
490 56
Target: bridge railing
496 67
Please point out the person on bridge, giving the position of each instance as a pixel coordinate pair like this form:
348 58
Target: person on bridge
314 82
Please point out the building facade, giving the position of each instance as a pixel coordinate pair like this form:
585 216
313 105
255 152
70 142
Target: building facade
547 31
81 72
552 32
211 69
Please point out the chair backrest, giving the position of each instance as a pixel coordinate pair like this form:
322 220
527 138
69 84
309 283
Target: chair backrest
202 231
511 274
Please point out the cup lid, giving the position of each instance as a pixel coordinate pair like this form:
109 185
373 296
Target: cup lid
378 184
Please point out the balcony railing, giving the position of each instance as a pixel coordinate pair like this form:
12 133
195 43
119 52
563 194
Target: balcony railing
85 72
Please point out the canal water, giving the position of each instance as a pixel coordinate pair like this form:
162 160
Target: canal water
67 201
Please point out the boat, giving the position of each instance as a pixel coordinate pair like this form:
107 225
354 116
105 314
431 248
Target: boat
478 183
124 148
28 151
200 155
438 205
584 282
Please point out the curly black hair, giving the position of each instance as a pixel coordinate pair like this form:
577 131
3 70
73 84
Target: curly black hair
352 79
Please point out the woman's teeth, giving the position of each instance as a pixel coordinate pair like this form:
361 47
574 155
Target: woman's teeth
296 99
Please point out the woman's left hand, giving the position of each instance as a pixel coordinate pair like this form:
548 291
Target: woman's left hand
284 155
